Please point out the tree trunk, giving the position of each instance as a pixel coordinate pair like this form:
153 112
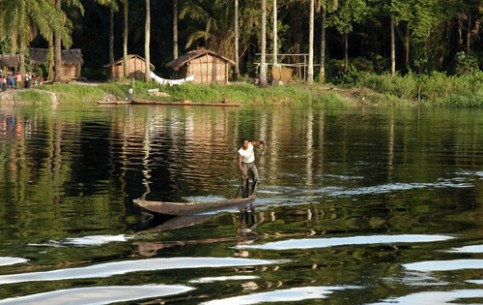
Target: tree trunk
22 61
51 72
263 65
346 51
125 37
237 58
58 50
175 29
147 39
407 48
468 34
393 47
275 32
111 35
310 70
323 43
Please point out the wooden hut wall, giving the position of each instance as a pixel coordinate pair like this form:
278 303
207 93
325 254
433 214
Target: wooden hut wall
70 72
207 69
135 69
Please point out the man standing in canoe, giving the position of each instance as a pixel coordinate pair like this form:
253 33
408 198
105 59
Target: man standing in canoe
246 163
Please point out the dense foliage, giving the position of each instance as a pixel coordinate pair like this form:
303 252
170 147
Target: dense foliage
431 35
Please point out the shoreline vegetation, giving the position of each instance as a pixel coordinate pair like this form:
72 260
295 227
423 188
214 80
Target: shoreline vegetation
357 89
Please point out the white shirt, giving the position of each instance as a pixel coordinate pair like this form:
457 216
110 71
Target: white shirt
248 155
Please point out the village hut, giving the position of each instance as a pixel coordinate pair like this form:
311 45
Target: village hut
136 68
206 66
72 62
9 62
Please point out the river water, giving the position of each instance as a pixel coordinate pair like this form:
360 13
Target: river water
356 206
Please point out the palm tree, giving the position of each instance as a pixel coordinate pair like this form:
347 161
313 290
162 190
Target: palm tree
24 19
263 65
147 38
113 8
58 35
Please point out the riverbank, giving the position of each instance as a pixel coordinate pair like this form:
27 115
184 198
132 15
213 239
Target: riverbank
363 89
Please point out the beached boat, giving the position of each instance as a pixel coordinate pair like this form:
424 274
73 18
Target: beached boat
187 208
136 100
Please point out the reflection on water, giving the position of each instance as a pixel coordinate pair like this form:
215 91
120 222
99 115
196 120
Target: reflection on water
123 267
312 243
4 261
457 264
98 295
468 249
356 206
282 295
434 297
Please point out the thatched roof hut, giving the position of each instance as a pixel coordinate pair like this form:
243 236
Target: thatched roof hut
136 68
9 61
72 61
207 67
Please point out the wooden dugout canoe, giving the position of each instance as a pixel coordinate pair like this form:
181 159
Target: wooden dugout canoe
187 208
140 101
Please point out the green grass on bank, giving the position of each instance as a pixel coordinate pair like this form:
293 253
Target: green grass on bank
436 90
243 93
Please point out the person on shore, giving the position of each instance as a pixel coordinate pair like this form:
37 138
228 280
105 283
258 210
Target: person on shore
11 80
18 80
3 83
246 164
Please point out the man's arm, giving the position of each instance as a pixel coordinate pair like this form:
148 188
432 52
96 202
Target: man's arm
259 142
240 166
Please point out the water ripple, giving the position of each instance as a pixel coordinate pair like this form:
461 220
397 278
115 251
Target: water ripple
97 295
433 297
446 265
5 261
123 267
224 278
285 295
468 249
312 243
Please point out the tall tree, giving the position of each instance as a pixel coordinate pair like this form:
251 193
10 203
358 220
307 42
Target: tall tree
113 8
125 4
275 32
147 40
310 70
175 29
348 13
22 20
397 11
237 47
58 35
263 57
58 48
323 41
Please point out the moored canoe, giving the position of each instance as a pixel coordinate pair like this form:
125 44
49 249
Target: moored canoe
136 100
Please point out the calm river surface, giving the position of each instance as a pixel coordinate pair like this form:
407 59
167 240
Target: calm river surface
356 206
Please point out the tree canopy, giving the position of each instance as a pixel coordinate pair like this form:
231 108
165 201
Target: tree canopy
429 33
